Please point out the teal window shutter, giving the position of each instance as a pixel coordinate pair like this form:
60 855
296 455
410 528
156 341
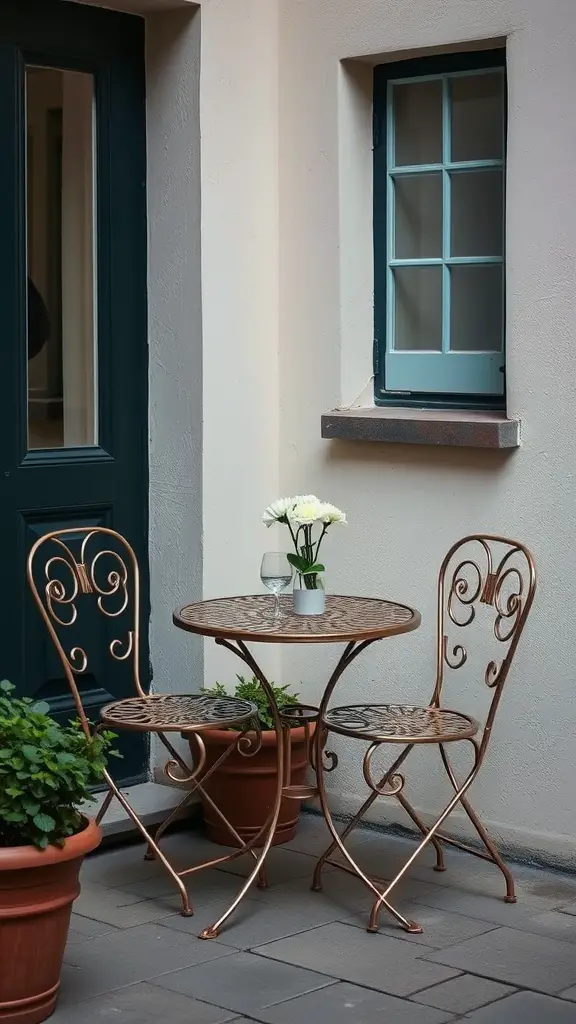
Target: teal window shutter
439 177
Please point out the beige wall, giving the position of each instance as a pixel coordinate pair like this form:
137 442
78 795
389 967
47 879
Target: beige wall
285 333
406 504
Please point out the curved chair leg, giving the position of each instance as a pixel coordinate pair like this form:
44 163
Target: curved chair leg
494 854
187 910
460 792
439 865
338 841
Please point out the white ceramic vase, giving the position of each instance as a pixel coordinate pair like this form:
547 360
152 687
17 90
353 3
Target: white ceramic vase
309 602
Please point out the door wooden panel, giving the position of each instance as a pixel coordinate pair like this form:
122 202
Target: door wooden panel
105 483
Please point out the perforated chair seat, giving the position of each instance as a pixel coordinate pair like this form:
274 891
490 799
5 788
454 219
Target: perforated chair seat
178 712
400 723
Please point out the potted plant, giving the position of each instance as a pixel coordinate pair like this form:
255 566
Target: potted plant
46 772
244 787
308 520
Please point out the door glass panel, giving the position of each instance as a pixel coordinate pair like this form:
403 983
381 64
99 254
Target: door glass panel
418 309
476 309
418 123
62 371
418 212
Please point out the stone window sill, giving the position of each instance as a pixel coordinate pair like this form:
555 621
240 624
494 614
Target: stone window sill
451 427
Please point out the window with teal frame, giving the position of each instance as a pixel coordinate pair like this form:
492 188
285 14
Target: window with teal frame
439 179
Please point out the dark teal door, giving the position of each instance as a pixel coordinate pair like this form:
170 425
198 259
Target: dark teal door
73 332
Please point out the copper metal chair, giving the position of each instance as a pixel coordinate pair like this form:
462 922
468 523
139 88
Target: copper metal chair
94 570
478 571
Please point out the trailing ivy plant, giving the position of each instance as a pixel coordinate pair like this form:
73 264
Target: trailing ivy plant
46 772
250 689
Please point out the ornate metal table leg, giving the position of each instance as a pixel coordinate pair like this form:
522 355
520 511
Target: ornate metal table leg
241 651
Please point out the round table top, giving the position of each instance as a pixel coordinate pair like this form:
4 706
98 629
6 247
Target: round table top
345 620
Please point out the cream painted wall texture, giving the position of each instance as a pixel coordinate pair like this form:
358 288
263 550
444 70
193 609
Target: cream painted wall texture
406 505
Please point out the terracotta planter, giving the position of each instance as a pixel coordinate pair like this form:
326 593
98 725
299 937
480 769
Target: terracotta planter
244 787
37 890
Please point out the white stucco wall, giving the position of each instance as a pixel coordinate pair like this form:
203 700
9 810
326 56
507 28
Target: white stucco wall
407 504
285 322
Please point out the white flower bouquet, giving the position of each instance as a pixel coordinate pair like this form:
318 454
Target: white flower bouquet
308 520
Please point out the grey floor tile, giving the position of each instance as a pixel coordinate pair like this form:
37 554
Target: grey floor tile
568 908
115 866
83 928
480 906
347 953
347 895
462 994
441 929
518 958
120 908
553 923
570 993
312 836
255 922
282 866
350 1004
525 1008
138 954
244 982
139 1004
204 887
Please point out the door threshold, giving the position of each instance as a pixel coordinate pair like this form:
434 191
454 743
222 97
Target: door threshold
151 802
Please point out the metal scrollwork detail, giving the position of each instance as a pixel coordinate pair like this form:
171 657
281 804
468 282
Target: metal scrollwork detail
456 657
78 660
509 608
57 592
249 743
391 786
464 593
116 645
116 581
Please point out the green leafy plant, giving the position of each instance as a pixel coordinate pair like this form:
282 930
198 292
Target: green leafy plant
46 772
250 689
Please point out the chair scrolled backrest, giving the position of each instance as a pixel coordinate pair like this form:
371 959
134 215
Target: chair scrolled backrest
77 567
490 571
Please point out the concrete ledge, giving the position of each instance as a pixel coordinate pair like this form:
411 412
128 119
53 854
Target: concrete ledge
458 427
151 802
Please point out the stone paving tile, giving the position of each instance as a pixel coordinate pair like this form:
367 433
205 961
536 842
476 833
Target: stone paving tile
349 954
525 1008
244 982
254 922
441 929
462 994
205 887
139 954
347 895
570 993
518 958
82 928
117 866
282 866
482 907
119 908
140 1004
350 1004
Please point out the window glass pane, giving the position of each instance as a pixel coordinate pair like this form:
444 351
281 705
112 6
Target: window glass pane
477 215
418 309
476 308
418 123
61 264
418 210
478 117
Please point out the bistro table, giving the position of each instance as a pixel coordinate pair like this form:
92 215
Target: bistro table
234 622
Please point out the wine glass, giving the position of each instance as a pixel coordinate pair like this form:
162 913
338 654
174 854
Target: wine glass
276 574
